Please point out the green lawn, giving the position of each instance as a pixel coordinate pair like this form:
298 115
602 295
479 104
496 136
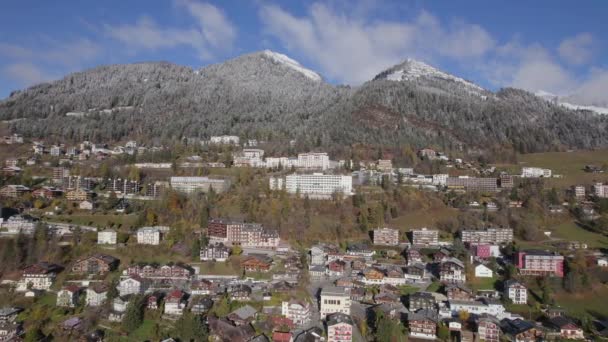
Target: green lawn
482 283
406 289
570 231
434 287
98 220
568 164
592 302
217 268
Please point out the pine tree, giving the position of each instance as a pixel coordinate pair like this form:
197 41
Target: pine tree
134 315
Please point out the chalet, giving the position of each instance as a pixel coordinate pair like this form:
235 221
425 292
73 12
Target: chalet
86 205
360 250
421 301
96 295
336 268
344 282
358 265
386 297
78 195
152 302
132 285
394 275
423 324
215 252
300 313
413 256
256 263
282 287
223 330
243 315
165 272
279 336
441 255
566 327
201 305
452 271
488 328
521 331
47 192
119 307
175 303
13 191
203 287
68 296
95 264
414 271
39 276
373 275
240 293
483 271
459 292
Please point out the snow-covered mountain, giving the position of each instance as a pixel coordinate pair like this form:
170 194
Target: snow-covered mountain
293 64
414 70
570 102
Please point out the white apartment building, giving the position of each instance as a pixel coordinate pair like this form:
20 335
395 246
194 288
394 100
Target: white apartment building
488 235
131 285
335 299
425 237
150 235
318 185
440 179
600 190
516 292
224 140
284 162
194 184
298 312
313 160
535 172
490 307
107 237
18 224
579 191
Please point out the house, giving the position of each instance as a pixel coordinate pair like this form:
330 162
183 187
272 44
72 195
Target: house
335 299
484 306
132 285
483 271
415 271
488 328
360 250
10 331
519 330
441 254
423 324
386 297
223 330
119 307
38 276
256 263
78 195
452 271
201 305
515 291
68 296
95 264
240 293
215 252
165 272
175 303
203 287
152 302
373 275
413 256
243 315
421 301
567 328
13 191
339 328
602 262
96 294
47 192
278 336
336 268
458 292
107 237
86 205
318 256
314 334
300 313
149 235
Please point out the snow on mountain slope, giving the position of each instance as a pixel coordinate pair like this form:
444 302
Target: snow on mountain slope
283 59
412 69
558 100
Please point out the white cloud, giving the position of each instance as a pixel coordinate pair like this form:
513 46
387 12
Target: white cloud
212 31
578 49
352 49
26 74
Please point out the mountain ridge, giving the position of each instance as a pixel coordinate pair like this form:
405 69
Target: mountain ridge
271 97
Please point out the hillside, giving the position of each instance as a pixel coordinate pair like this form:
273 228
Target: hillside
269 96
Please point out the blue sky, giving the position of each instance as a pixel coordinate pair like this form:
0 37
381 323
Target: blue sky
556 46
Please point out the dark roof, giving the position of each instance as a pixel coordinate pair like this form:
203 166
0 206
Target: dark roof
516 326
337 318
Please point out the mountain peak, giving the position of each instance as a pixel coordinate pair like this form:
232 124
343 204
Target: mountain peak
285 60
412 70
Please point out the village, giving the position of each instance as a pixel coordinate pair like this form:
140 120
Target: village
242 280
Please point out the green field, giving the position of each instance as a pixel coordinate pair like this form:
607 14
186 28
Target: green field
568 164
570 231
98 220
482 283
591 302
